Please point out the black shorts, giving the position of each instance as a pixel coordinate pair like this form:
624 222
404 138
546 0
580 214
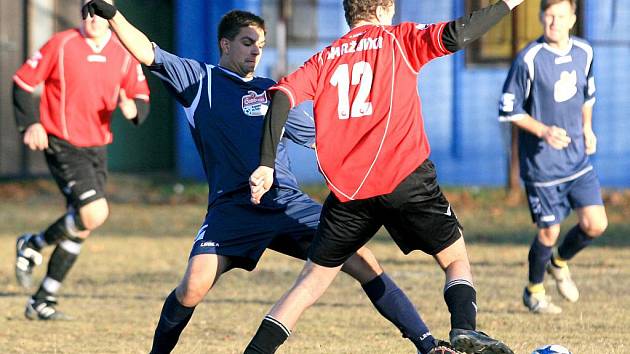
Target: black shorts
80 172
416 215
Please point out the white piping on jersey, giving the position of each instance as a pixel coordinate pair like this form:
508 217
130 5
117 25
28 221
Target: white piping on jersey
142 97
62 76
529 60
23 84
401 51
589 54
438 39
512 118
190 111
562 180
380 147
559 52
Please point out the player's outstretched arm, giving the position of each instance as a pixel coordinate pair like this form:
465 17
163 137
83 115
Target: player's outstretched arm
466 29
136 42
261 180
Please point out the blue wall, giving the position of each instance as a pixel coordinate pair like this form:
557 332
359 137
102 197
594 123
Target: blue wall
460 103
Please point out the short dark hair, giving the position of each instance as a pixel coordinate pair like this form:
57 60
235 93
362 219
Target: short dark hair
357 10
232 22
545 4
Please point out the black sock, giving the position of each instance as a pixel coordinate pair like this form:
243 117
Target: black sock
173 320
574 241
392 303
461 299
270 335
539 256
60 263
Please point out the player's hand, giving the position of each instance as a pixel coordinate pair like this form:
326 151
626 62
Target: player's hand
127 105
99 8
590 141
260 182
556 137
35 137
513 3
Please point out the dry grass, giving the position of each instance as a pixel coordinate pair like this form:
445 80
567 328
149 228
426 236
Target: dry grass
117 287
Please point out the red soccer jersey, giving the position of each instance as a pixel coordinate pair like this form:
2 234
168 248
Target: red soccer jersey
369 129
81 85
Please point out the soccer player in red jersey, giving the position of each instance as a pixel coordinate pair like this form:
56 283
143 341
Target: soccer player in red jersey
87 74
373 152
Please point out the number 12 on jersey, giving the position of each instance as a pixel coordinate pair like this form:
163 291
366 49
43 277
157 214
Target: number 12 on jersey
362 76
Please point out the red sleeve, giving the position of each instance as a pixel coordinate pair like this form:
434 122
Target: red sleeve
40 65
135 83
301 85
421 43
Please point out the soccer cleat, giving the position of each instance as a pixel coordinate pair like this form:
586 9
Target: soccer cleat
540 303
476 342
564 283
26 258
44 310
443 347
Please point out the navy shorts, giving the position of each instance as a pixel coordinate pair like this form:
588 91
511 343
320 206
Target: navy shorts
80 172
416 214
550 205
285 221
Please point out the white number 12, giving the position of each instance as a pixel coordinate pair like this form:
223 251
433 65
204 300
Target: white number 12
362 76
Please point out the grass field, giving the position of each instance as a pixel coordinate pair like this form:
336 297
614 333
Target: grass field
117 287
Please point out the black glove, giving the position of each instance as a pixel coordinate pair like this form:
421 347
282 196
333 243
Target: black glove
99 8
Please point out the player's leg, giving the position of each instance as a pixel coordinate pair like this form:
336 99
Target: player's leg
548 206
389 300
201 275
585 196
419 217
336 240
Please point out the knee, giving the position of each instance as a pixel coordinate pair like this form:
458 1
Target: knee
190 293
594 228
362 266
549 236
94 215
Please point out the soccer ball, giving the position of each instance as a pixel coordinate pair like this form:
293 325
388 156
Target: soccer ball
551 349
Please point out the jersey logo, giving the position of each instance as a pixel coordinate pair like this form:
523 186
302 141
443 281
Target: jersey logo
34 60
255 105
421 26
565 88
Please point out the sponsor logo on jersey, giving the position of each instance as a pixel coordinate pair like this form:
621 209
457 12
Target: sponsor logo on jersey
354 46
254 104
565 88
421 26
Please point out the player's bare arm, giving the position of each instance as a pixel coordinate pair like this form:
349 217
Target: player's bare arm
136 42
127 105
552 135
590 139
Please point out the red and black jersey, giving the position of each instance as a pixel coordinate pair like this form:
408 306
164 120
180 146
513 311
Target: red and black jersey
81 85
369 128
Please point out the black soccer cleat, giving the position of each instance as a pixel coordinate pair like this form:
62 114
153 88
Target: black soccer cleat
26 258
443 347
474 342
44 310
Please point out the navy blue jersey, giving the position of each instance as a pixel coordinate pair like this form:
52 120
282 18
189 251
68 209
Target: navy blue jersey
552 87
225 113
